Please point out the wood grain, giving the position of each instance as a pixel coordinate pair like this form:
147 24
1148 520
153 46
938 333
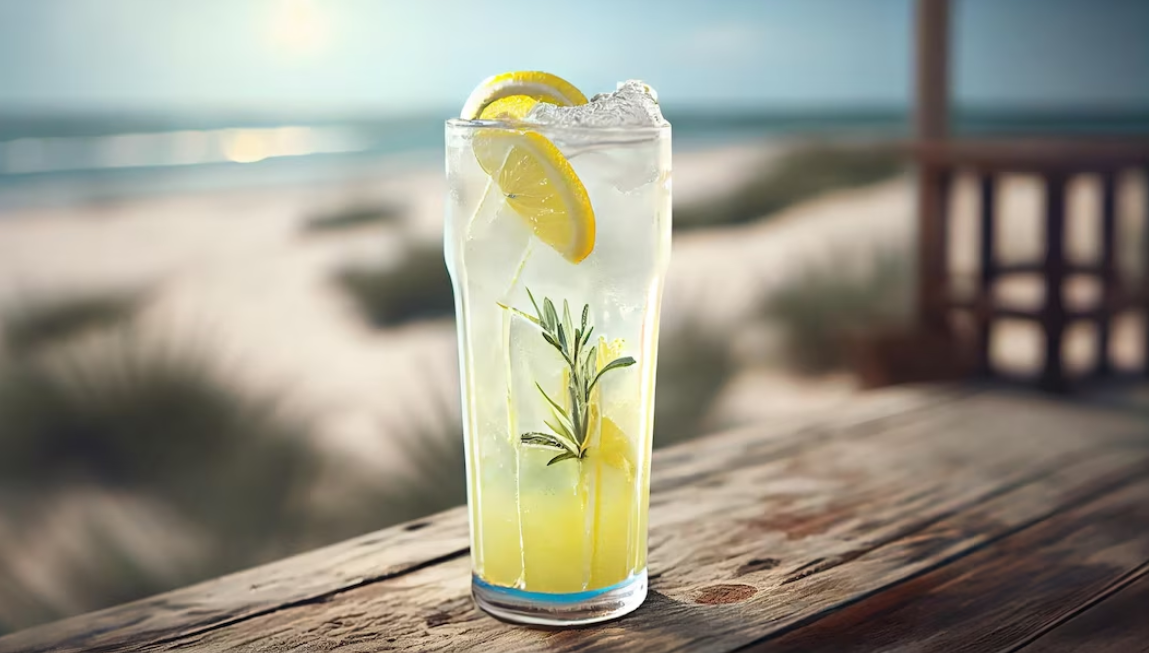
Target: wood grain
359 561
1116 624
1002 595
431 610
318 574
755 534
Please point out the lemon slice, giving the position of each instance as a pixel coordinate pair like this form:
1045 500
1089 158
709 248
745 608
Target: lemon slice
544 87
540 185
614 447
512 107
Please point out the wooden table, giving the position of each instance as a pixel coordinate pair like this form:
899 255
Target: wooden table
917 520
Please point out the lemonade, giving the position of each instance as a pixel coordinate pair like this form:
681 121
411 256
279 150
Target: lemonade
557 239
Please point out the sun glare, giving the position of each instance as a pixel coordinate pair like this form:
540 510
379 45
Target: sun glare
299 28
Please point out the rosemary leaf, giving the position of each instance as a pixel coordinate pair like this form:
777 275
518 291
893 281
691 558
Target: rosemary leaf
555 343
552 316
521 314
550 401
566 455
559 427
551 340
588 370
577 413
543 440
567 317
625 361
570 426
535 304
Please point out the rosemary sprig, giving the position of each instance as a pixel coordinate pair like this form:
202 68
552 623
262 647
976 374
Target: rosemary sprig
569 428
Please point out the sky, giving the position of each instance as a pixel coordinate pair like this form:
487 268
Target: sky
407 56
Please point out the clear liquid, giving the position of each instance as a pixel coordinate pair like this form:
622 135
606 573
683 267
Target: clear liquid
576 525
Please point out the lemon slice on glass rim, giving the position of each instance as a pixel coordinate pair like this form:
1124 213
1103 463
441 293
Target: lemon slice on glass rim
541 86
536 180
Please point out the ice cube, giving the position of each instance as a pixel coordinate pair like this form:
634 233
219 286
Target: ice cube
624 169
634 104
495 248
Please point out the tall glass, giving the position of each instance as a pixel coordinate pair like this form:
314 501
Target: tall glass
558 530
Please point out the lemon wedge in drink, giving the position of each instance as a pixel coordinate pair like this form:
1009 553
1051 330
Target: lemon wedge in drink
540 86
614 447
536 180
540 185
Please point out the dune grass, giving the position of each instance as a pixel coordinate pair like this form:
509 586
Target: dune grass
829 302
693 366
29 325
418 288
798 175
158 420
434 458
166 421
352 217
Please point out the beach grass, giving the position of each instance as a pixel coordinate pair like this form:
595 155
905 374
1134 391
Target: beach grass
829 302
436 476
426 475
352 217
32 324
160 421
418 288
693 366
798 175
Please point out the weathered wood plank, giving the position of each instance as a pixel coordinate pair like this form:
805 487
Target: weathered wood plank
1001 596
760 549
316 575
1117 624
309 576
430 610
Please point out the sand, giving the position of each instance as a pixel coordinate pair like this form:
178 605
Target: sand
234 273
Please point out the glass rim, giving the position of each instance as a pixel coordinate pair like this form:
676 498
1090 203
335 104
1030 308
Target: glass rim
463 124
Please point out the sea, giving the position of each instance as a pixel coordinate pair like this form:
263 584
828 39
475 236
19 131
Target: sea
54 160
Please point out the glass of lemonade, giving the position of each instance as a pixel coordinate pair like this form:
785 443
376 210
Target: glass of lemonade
557 239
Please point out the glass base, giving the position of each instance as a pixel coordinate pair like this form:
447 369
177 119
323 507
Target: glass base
573 609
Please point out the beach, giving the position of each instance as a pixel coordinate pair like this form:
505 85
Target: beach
237 273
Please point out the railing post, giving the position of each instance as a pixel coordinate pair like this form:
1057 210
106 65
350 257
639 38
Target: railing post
931 125
933 246
931 83
1108 269
1143 291
984 303
1053 314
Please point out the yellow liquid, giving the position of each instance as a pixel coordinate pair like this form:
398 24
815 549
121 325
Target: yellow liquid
580 529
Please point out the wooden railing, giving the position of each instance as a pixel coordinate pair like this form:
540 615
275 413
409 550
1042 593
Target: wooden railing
1056 162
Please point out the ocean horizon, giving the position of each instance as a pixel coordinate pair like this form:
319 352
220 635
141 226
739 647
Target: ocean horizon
67 158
